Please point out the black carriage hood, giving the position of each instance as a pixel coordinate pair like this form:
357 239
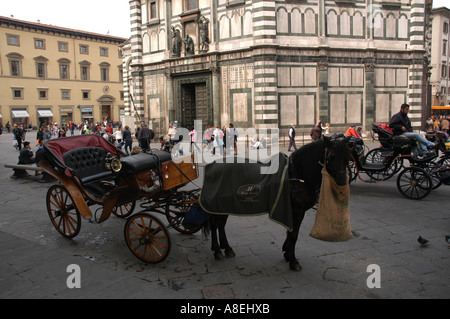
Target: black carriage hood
56 148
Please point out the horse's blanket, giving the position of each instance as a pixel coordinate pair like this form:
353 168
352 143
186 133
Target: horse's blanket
241 189
333 215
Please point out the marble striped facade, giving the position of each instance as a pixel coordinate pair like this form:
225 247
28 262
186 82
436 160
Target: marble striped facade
273 63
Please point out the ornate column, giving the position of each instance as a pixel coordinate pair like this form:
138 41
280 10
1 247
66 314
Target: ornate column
369 71
215 70
170 104
322 67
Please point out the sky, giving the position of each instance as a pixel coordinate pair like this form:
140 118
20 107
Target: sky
99 16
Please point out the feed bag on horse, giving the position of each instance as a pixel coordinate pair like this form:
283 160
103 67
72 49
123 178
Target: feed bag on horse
333 215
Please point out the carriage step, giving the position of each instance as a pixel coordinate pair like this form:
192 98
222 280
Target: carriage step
371 181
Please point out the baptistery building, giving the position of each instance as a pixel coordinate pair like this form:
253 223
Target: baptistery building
271 64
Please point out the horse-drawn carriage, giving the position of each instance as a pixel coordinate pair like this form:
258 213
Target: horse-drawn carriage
93 172
415 181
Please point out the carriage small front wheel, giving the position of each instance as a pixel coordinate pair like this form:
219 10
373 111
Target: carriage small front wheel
62 211
414 183
147 238
125 210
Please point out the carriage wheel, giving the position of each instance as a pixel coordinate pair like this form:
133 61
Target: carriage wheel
430 168
176 211
414 183
376 155
124 210
352 171
445 161
147 238
63 212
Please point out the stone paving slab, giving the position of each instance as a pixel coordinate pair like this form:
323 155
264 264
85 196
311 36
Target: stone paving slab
34 257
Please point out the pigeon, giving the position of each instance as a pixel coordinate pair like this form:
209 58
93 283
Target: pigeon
447 239
422 241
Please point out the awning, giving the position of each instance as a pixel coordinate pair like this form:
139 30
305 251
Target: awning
45 113
20 114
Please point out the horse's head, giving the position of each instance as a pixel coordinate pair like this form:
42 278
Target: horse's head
336 157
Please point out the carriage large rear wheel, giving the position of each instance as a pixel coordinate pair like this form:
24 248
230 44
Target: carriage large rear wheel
414 183
147 238
63 212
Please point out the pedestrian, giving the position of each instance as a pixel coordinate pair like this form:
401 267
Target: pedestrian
136 134
291 134
193 135
218 140
71 128
8 127
316 131
61 133
359 131
171 133
17 131
351 131
326 128
26 155
232 136
209 137
445 124
39 136
47 134
145 137
429 124
436 124
119 136
401 125
126 135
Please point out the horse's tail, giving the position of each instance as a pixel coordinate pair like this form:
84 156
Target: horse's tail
206 228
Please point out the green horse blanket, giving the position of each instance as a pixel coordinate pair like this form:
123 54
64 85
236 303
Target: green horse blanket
249 188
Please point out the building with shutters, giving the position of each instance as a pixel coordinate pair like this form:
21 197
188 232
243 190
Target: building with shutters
440 57
54 74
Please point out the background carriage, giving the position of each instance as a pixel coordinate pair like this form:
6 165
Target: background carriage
416 180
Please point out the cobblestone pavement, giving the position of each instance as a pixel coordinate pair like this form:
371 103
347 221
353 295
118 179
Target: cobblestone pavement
34 257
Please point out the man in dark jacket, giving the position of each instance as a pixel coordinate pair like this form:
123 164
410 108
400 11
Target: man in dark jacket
144 137
401 125
292 138
26 155
18 134
316 131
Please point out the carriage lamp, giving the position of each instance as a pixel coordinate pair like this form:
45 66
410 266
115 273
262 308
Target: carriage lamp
116 165
167 172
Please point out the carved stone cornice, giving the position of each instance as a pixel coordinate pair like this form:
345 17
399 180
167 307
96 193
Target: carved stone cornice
369 67
322 65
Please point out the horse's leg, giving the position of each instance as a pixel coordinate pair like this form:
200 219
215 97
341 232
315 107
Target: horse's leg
223 238
214 221
291 240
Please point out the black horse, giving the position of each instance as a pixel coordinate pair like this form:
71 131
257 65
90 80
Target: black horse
305 167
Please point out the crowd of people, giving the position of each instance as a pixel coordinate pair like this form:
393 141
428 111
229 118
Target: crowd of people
438 123
215 140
